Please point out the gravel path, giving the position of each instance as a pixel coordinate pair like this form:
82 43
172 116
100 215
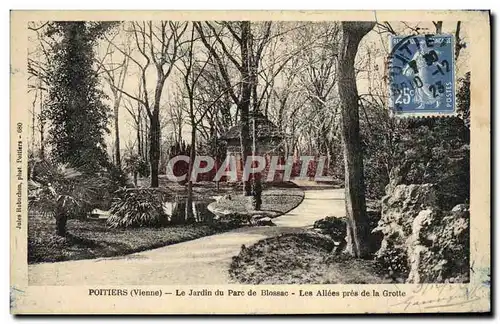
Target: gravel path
202 261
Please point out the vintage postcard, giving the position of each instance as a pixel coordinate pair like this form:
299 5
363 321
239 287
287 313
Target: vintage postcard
260 162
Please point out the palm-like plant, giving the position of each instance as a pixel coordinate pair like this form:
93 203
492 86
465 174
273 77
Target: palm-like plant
61 191
138 207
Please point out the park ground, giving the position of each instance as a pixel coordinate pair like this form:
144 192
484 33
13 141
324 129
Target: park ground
208 260
89 239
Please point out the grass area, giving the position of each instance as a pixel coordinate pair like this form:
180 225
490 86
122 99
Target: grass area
93 239
301 258
88 239
275 202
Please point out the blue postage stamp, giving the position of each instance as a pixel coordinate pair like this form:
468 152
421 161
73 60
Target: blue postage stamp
421 74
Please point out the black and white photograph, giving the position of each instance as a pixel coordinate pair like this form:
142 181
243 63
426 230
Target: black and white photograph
266 153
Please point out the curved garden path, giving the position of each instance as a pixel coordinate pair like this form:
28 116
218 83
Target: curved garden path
202 261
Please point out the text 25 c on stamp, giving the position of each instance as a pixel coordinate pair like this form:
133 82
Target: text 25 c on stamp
421 76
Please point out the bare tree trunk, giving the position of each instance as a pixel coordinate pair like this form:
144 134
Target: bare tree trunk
61 221
154 147
458 41
189 201
139 147
179 134
117 135
244 106
145 140
245 145
42 140
256 177
439 26
357 221
42 127
33 122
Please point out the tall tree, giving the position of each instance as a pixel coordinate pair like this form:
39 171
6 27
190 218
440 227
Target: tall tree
357 221
194 64
246 62
74 105
135 111
115 75
319 79
158 45
38 62
191 72
240 33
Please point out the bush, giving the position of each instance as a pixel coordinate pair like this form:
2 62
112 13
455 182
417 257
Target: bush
62 191
336 228
135 165
138 208
101 185
113 179
394 260
418 151
59 187
435 151
332 226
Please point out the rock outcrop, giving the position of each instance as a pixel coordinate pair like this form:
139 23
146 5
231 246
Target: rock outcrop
438 247
421 242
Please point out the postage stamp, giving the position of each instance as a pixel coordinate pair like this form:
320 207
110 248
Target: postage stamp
249 162
422 74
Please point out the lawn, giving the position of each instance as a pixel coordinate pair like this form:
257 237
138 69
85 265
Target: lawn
88 239
301 258
276 200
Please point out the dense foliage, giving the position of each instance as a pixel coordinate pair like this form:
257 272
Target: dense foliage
78 117
136 165
418 150
335 227
76 175
62 191
138 208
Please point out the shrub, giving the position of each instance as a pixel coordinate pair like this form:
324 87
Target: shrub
336 228
435 151
418 151
394 260
62 191
138 208
112 179
136 165
333 226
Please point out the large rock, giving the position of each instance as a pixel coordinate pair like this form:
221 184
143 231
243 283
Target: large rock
438 247
264 221
402 205
421 241
399 208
